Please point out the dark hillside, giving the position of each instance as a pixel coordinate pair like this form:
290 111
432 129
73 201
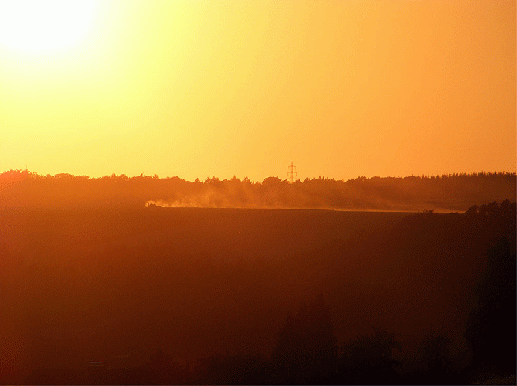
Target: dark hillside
111 295
421 277
98 284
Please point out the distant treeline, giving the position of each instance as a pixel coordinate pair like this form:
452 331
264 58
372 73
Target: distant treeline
456 192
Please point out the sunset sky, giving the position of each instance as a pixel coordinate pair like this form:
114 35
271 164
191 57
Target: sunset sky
221 88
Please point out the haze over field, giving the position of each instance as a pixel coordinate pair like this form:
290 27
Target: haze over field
197 89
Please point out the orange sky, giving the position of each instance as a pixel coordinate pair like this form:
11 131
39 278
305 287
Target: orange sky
223 88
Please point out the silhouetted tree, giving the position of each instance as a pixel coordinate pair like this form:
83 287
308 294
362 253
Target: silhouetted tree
370 360
473 210
306 350
491 324
435 356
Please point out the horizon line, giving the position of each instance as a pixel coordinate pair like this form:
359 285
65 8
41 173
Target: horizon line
234 177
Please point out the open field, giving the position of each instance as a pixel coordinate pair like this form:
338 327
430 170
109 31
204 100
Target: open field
114 286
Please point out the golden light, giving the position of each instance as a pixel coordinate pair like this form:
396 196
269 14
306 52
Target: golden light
32 26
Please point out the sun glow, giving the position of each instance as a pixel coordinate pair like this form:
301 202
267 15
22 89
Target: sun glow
40 26
211 88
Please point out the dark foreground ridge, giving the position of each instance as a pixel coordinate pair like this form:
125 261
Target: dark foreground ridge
455 192
228 296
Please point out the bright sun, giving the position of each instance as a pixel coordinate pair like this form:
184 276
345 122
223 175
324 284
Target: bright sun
43 25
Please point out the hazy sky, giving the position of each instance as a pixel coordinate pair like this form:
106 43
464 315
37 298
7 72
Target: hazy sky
223 88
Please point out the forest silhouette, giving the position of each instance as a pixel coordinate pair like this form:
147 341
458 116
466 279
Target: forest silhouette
97 288
453 192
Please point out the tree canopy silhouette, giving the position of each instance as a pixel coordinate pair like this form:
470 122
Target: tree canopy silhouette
22 188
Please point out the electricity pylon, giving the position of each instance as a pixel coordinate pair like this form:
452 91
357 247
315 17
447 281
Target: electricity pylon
291 172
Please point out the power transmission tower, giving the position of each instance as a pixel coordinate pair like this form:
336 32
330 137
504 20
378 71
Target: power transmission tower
291 172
